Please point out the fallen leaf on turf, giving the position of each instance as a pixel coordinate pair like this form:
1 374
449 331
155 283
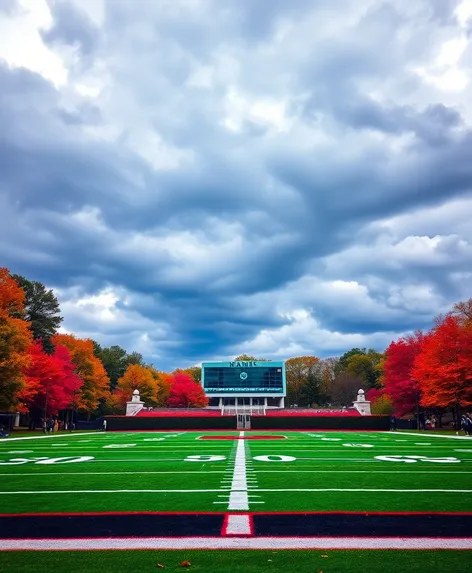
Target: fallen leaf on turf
160 566
324 556
185 564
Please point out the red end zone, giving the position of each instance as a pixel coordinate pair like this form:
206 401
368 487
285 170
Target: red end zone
243 438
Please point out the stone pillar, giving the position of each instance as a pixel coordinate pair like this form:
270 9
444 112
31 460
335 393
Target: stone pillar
282 402
361 404
16 421
135 405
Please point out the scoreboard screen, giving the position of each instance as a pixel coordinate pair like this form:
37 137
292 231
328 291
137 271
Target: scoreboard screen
243 377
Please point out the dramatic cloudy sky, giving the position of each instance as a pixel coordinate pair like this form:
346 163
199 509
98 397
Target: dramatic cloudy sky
200 178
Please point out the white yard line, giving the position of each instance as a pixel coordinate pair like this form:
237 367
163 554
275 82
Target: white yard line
322 543
238 494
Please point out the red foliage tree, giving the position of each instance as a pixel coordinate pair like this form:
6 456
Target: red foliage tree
443 368
399 382
51 380
186 393
96 384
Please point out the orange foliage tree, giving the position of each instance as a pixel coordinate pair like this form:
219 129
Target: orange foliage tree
298 371
96 384
15 338
443 368
137 377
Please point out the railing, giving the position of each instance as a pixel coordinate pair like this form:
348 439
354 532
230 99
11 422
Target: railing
250 410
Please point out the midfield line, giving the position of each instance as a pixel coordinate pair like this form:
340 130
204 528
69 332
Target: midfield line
238 496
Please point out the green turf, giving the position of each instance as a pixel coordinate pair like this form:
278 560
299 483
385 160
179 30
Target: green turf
238 561
326 475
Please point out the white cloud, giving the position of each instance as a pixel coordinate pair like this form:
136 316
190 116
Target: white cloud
21 44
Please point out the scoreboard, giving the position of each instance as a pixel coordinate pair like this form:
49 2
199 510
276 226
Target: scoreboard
248 378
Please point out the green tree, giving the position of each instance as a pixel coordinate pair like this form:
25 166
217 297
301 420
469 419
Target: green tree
116 360
41 310
134 358
311 392
247 358
365 365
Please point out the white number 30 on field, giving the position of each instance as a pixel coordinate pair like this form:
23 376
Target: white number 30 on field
414 459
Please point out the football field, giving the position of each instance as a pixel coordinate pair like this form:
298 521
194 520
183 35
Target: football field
312 499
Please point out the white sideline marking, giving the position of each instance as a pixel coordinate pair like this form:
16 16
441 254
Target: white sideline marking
235 543
110 473
238 498
53 436
238 525
434 436
406 471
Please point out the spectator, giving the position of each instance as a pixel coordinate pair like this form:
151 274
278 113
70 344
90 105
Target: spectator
462 425
469 423
3 432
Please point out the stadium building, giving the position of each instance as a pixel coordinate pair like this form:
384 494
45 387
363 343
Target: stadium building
242 386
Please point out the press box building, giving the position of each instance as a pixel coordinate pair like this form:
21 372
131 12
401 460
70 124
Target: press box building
244 385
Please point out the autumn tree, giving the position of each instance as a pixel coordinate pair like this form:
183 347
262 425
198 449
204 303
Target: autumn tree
327 374
298 371
95 388
51 380
380 402
194 371
443 367
137 377
15 338
186 393
41 310
164 382
398 378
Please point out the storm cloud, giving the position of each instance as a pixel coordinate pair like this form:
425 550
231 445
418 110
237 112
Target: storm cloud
201 178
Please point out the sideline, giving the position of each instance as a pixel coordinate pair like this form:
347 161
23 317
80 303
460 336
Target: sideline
238 499
322 543
417 434
7 440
